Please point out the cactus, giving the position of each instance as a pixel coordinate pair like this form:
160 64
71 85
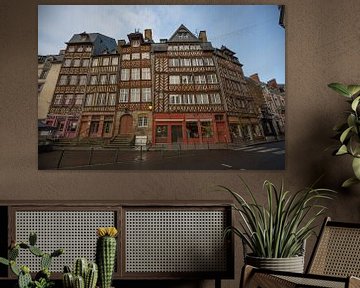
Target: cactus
24 280
32 239
80 267
45 261
91 276
79 282
105 254
36 251
88 273
68 280
42 278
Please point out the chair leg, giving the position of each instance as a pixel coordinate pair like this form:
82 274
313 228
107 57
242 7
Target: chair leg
250 278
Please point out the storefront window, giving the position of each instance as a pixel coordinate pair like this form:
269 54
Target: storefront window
192 129
161 131
206 130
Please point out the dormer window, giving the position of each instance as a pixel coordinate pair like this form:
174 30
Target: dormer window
135 43
183 35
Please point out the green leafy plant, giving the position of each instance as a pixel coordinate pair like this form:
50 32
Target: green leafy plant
349 132
279 229
42 278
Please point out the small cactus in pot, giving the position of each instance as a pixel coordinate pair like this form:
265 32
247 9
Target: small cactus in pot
106 254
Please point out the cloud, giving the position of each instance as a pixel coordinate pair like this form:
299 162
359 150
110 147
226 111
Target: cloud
252 31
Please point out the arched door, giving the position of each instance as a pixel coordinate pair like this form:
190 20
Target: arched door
126 124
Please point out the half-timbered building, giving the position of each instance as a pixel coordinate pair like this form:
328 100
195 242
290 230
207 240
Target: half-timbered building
134 108
242 113
98 115
188 104
67 103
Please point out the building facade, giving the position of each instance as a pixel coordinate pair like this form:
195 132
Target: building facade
101 96
180 90
242 114
67 104
48 72
188 104
134 108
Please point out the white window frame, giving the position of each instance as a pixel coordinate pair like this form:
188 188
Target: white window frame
174 62
175 99
125 74
95 62
76 62
68 99
58 99
202 99
145 74
174 79
125 56
79 98
101 99
135 95
63 80
145 55
188 99
112 99
106 61
112 79
103 79
114 61
73 80
135 56
67 62
146 95
135 74
187 79
215 98
82 80
89 100
124 96
211 79
85 62
93 80
143 121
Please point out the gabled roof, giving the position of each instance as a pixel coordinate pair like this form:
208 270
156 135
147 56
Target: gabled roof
183 34
102 44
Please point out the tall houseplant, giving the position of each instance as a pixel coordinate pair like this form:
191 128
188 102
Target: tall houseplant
278 230
349 132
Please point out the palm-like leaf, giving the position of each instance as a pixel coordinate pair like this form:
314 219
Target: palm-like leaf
280 228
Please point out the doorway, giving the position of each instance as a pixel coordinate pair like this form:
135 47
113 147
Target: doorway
176 133
126 124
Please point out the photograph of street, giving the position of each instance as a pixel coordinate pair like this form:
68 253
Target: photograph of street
161 87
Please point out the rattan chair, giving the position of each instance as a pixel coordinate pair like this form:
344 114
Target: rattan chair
334 263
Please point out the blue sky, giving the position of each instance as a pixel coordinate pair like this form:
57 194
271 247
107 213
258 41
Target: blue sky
252 31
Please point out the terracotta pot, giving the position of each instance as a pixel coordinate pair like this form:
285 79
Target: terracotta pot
291 264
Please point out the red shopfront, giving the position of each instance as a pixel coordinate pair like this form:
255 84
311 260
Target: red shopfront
190 128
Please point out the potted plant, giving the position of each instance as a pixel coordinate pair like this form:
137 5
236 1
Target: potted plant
349 132
276 233
42 278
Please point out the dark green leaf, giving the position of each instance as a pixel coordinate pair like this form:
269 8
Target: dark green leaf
342 150
340 88
349 182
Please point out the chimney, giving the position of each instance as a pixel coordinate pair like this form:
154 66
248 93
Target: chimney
255 77
121 43
202 36
148 34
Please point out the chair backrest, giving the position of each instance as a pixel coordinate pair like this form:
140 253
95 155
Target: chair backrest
337 251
